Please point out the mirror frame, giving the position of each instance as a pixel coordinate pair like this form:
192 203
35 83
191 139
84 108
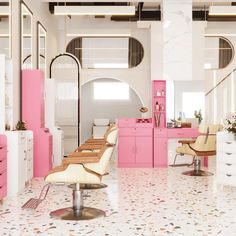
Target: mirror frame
40 26
9 35
23 4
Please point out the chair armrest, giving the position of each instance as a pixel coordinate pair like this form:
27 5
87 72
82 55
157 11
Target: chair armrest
186 141
89 147
91 140
80 159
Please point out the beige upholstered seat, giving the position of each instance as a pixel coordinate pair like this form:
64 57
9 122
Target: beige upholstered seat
110 138
77 169
79 172
83 168
203 146
185 148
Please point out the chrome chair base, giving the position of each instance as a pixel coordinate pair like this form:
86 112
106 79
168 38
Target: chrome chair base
197 173
197 170
89 186
92 186
78 211
86 213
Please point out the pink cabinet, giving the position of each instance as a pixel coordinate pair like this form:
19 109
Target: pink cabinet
135 145
160 152
144 150
126 150
33 115
3 166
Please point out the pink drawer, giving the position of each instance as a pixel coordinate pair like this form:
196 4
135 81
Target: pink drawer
127 132
182 133
3 178
160 133
127 122
3 152
143 131
3 165
3 191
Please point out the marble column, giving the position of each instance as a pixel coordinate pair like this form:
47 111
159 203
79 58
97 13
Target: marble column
177 37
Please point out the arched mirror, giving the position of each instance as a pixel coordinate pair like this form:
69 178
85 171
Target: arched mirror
65 70
219 52
26 37
5 28
106 52
41 57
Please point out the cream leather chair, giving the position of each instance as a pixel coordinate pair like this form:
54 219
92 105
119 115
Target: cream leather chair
110 139
101 140
203 146
77 169
185 150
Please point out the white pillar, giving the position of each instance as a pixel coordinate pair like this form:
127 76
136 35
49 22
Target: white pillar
177 36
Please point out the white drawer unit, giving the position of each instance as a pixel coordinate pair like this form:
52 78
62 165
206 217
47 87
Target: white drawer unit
226 159
20 160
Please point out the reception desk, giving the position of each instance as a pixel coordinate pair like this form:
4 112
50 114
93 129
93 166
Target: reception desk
141 145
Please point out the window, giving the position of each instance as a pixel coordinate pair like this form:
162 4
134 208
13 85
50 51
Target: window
111 91
193 101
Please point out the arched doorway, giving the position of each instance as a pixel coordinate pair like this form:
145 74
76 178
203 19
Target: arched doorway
100 101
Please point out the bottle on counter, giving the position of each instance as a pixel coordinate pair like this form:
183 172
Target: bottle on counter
162 92
157 106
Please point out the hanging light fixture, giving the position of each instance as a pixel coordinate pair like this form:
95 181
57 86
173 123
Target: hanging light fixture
94 10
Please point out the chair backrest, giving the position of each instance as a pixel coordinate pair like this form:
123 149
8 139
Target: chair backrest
205 143
209 128
111 136
101 166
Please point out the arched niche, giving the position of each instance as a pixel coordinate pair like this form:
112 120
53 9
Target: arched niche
92 108
65 69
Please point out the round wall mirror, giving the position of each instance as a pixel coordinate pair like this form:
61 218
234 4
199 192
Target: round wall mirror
106 52
219 53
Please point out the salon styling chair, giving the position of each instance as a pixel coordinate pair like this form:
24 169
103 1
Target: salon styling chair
203 146
78 169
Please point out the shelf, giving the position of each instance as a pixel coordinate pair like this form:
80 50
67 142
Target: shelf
159 111
159 96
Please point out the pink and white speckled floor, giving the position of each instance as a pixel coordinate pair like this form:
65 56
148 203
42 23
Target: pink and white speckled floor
149 202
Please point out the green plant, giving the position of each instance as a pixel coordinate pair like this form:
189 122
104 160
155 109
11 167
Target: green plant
198 115
21 125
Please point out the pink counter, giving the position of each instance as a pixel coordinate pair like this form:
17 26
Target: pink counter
141 145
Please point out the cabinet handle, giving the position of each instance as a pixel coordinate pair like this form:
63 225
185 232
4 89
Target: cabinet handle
180 133
1 147
228 164
228 142
0 161
228 175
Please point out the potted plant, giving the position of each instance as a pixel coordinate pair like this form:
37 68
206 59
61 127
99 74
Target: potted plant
229 123
198 115
21 125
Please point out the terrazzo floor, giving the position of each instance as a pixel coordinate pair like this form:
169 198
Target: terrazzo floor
149 202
